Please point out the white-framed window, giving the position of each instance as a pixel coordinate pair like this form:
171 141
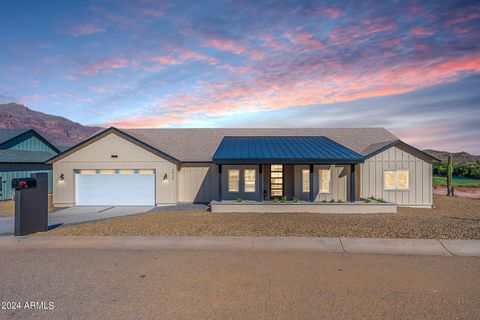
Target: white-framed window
249 178
324 176
396 180
233 180
305 180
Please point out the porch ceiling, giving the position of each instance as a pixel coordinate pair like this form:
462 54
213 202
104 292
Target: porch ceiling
284 150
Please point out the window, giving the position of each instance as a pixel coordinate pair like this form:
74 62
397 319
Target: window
276 180
233 180
395 179
306 180
324 176
249 180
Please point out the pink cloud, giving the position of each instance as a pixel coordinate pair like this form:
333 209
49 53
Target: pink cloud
273 92
106 64
147 121
306 39
86 29
420 32
225 45
330 12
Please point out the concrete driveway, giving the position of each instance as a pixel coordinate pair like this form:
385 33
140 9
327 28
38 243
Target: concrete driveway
79 214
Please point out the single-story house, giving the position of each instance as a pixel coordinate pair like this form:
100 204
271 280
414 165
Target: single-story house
23 152
250 167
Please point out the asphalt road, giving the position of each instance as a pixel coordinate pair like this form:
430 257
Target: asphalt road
143 284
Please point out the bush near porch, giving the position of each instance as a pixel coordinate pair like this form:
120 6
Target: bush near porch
453 218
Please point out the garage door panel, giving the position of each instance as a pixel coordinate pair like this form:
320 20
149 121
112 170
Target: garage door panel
115 189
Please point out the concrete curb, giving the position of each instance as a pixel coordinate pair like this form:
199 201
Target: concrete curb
425 247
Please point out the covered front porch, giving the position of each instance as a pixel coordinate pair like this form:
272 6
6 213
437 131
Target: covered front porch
289 174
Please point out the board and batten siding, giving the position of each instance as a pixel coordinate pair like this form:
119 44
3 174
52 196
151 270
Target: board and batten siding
197 183
338 184
9 171
394 158
98 155
28 142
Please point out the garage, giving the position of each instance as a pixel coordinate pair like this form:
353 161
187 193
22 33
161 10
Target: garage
126 187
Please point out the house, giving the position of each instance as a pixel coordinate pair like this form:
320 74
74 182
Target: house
23 152
249 167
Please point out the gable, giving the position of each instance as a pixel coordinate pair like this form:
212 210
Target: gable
399 152
103 148
29 141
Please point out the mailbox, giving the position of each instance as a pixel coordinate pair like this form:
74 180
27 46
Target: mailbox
31 204
24 183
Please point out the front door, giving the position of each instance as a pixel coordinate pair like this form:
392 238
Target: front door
276 181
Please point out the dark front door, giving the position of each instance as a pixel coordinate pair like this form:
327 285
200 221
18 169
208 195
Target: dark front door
276 180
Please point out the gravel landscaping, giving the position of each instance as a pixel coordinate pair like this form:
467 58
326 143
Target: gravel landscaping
7 207
453 218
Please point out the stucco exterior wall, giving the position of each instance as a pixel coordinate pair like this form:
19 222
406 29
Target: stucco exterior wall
98 155
394 158
197 183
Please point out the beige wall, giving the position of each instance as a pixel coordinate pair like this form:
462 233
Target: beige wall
338 188
197 183
420 177
97 155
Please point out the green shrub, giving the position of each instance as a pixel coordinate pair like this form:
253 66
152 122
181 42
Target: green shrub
295 199
284 199
275 200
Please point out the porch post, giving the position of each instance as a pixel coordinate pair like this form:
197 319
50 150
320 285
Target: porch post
352 183
311 197
260 182
219 182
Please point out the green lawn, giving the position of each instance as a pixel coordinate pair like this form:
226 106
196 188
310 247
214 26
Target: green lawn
457 182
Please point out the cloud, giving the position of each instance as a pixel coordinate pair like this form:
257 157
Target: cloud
106 64
86 29
419 31
225 45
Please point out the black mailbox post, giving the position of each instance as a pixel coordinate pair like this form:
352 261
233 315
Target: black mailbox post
31 204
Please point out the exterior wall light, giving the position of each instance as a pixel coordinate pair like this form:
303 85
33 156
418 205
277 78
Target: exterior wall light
165 179
61 178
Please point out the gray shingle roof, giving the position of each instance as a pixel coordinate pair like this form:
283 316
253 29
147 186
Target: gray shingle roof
19 156
196 145
7 134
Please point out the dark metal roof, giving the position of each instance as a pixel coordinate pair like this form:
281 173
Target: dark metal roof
284 150
9 134
20 156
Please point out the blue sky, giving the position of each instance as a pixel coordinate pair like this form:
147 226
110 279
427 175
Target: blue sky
410 66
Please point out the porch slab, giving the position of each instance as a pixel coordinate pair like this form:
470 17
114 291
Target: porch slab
309 207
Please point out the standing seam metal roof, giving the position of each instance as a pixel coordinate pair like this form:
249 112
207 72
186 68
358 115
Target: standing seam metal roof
286 149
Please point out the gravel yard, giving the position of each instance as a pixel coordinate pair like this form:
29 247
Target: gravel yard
7 207
453 218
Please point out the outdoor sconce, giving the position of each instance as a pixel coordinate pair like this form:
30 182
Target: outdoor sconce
61 178
165 179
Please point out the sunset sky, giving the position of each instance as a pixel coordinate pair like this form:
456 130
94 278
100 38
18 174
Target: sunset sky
412 67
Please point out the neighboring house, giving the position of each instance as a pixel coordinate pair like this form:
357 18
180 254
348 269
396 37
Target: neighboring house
23 152
166 166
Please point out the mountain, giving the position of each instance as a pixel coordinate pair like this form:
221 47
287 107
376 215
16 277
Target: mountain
456 156
60 131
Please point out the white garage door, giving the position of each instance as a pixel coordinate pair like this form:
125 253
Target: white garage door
115 189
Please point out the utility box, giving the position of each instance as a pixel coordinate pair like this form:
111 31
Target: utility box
31 204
